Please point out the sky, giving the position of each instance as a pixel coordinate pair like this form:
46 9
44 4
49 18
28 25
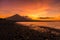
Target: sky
31 8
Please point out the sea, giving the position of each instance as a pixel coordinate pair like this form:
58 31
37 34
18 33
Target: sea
55 25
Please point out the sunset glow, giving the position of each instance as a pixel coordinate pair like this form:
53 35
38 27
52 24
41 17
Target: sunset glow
29 19
34 17
31 8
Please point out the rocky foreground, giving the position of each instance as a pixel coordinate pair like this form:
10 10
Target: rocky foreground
9 30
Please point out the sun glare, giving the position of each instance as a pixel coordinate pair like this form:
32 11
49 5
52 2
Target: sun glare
34 17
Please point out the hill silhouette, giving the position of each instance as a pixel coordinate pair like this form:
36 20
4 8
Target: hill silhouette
17 17
10 30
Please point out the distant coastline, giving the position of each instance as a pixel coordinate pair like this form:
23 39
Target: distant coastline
39 21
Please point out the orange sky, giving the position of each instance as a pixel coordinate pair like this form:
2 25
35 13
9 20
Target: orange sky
37 8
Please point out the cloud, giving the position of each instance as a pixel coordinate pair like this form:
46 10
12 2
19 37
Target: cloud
55 3
30 6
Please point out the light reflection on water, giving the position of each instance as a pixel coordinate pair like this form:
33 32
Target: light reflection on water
47 24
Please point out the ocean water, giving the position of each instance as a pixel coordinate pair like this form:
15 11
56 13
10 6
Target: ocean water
46 24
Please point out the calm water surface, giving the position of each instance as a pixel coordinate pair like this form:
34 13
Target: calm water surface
46 24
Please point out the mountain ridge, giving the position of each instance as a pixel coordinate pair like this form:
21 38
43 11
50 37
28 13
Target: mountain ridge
17 17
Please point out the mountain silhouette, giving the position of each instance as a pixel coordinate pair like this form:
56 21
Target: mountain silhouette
17 17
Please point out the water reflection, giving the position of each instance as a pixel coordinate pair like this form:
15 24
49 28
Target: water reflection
47 24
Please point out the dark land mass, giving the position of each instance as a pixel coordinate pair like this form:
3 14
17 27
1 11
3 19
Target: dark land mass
9 30
39 21
18 18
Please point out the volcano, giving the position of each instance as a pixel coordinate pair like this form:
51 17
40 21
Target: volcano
17 17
